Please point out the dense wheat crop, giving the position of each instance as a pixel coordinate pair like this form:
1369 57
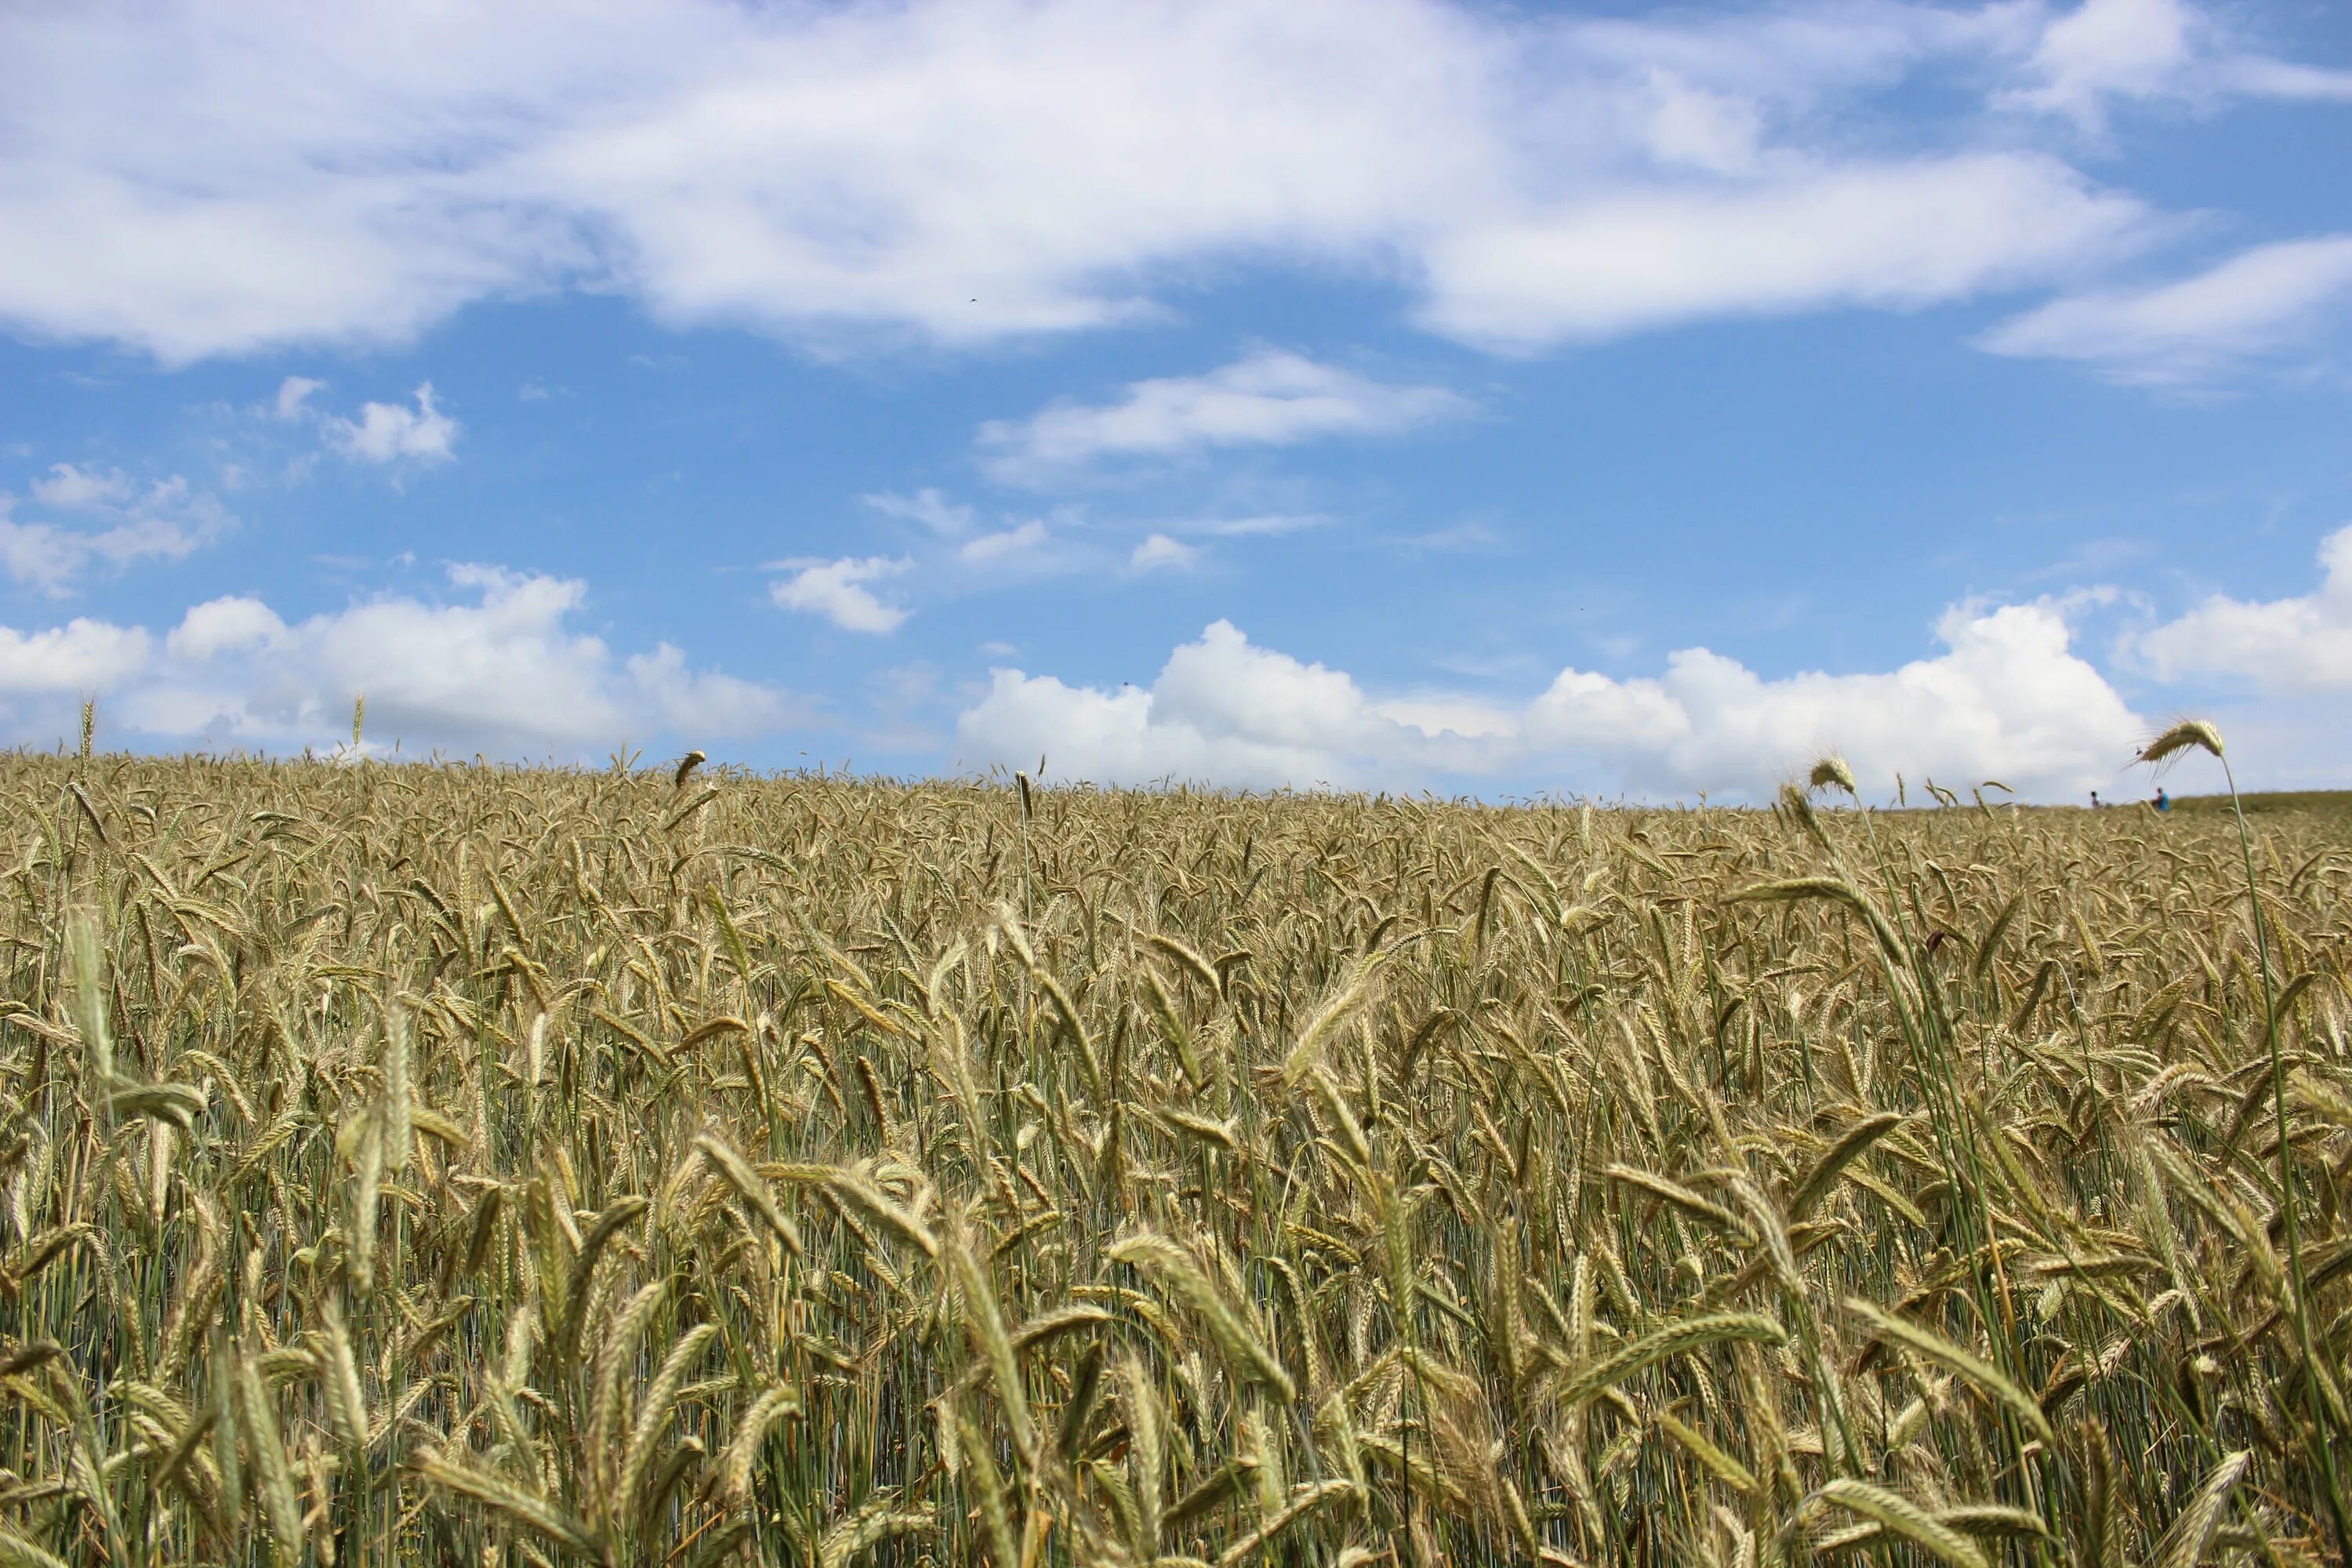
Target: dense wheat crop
475 1166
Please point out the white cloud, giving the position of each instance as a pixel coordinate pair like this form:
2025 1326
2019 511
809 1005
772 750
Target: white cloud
231 625
1222 710
1717 131
1442 717
2260 77
217 180
926 506
2196 329
81 658
1786 56
2301 643
294 396
1893 236
1160 551
695 702
116 522
502 669
2108 50
836 590
2006 699
989 547
2128 47
1267 399
1264 524
385 432
69 486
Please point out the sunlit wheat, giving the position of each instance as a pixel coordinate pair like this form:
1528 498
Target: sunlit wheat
483 1166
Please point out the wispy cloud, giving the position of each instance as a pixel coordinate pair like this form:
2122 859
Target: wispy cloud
1268 398
2103 51
991 547
1454 538
1262 525
1888 235
103 517
69 485
294 396
2195 330
926 506
2106 48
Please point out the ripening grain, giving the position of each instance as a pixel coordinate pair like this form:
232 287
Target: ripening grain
501 1167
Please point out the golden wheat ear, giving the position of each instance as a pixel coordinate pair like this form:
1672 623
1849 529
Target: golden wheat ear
2182 737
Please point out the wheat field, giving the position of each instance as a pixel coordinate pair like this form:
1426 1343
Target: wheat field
480 1166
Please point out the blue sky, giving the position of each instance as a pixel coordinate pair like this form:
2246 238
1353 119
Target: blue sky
1394 393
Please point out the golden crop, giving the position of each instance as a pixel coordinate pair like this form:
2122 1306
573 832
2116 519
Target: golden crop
460 1165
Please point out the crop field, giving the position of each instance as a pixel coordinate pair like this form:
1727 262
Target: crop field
477 1166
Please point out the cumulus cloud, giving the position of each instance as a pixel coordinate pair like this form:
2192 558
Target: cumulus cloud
2196 329
1268 398
501 667
48 672
218 180
2007 697
386 432
1160 552
81 658
1221 710
836 590
235 624
2302 644
702 702
382 433
102 518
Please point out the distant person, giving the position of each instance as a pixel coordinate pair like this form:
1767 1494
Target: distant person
2094 800
2163 801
